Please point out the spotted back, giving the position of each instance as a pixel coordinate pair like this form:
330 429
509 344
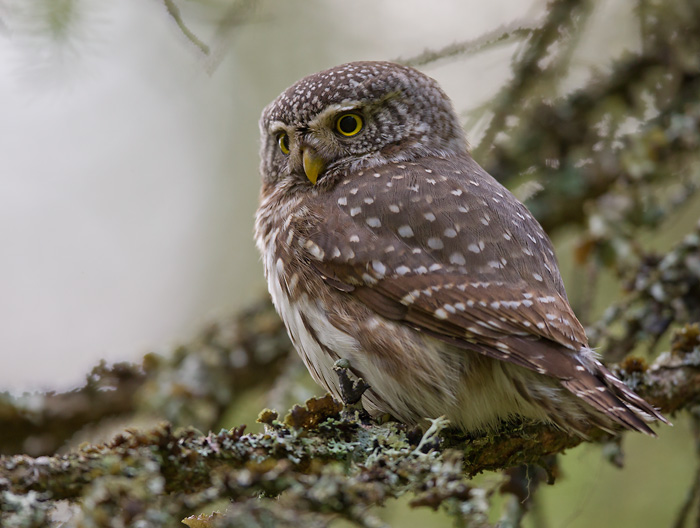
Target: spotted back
443 245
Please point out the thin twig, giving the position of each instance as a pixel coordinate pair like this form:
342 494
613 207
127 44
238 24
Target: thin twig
518 29
174 12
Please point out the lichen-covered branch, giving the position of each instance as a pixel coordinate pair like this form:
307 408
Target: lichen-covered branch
324 462
630 130
663 290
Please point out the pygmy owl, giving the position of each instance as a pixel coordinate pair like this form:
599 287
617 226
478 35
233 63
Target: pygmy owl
386 244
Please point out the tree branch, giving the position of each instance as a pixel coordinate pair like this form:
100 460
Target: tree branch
298 455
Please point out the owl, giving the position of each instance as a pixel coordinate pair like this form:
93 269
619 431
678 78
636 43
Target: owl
385 244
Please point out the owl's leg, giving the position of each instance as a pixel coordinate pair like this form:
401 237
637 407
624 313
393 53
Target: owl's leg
351 391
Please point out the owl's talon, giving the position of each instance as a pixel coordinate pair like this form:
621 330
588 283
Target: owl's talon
351 391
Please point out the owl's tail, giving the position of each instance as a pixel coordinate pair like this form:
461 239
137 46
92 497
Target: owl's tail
598 387
609 401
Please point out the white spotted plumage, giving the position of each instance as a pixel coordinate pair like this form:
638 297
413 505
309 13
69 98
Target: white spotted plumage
410 261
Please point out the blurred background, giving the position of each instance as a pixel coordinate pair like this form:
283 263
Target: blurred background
129 181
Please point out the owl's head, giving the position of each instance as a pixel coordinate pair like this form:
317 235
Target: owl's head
352 117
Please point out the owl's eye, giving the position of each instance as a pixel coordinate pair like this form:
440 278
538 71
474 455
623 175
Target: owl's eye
283 142
348 124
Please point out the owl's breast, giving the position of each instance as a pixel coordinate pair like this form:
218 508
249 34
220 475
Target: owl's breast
300 297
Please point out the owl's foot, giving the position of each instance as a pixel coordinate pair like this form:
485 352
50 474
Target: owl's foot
351 390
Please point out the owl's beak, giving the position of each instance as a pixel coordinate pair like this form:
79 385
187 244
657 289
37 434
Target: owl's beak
313 164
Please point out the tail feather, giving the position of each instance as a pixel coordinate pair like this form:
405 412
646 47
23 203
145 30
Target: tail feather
584 376
594 391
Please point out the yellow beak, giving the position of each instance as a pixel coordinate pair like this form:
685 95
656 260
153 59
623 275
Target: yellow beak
313 164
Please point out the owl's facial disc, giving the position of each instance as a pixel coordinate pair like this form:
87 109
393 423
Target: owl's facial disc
354 117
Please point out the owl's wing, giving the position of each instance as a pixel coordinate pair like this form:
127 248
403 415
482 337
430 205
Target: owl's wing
443 247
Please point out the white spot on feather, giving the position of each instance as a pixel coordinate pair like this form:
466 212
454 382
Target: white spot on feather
458 259
368 279
402 270
379 268
406 231
435 243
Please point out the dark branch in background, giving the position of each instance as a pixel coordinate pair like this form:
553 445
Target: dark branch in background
41 429
194 386
532 79
573 145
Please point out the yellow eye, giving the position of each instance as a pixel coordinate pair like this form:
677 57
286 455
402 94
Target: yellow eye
283 142
348 124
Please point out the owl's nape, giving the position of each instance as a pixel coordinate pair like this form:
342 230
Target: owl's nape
386 245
